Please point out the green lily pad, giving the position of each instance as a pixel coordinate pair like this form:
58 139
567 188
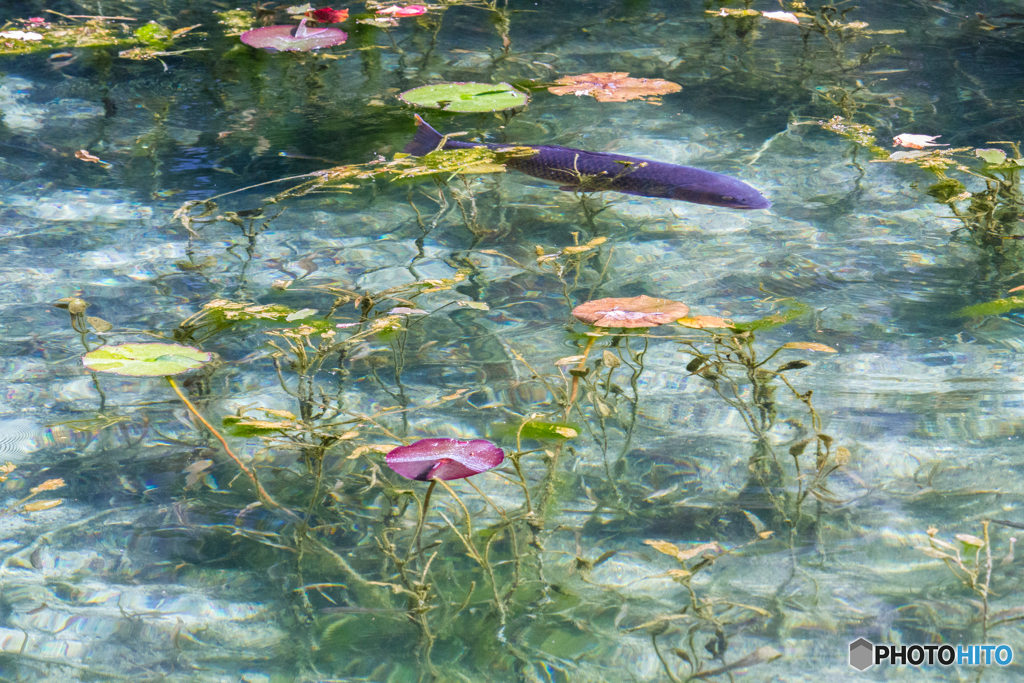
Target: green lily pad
994 157
145 360
466 97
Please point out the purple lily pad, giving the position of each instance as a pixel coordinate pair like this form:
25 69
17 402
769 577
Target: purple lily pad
444 459
289 38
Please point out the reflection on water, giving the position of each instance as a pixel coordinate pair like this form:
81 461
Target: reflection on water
161 562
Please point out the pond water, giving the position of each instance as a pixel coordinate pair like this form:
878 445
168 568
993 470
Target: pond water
673 502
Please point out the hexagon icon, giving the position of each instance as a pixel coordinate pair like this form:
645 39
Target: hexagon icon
861 654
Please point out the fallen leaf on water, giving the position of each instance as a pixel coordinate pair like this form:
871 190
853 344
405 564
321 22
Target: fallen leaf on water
725 12
809 346
917 141
699 322
39 505
85 156
968 539
614 86
664 547
48 485
787 17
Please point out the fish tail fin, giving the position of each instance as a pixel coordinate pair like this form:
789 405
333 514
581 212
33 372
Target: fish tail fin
425 141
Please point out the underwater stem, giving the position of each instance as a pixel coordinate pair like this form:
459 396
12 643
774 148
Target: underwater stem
423 517
265 497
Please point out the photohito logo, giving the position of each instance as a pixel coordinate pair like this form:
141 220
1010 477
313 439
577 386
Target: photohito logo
864 653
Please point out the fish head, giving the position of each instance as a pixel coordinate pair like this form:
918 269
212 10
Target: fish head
722 191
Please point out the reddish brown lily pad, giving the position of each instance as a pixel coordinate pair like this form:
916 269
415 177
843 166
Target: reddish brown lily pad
614 86
445 459
637 311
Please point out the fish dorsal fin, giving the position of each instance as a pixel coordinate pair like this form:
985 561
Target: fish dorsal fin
425 141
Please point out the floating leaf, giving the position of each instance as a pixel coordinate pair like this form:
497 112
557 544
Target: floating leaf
445 459
145 360
663 547
690 553
632 312
809 346
549 430
726 12
375 448
39 505
465 97
699 322
299 315
995 157
48 485
293 38
99 324
968 539
614 86
478 305
85 156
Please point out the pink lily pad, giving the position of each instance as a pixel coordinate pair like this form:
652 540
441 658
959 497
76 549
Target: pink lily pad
636 311
407 11
293 38
445 459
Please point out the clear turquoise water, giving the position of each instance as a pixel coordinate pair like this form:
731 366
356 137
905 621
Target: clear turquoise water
145 573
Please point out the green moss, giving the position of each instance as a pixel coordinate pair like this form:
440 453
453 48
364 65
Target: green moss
153 35
91 34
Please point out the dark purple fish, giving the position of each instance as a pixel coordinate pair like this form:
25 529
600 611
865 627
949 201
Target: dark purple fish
617 172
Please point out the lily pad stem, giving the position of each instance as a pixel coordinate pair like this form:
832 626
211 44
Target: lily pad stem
576 379
265 497
423 517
